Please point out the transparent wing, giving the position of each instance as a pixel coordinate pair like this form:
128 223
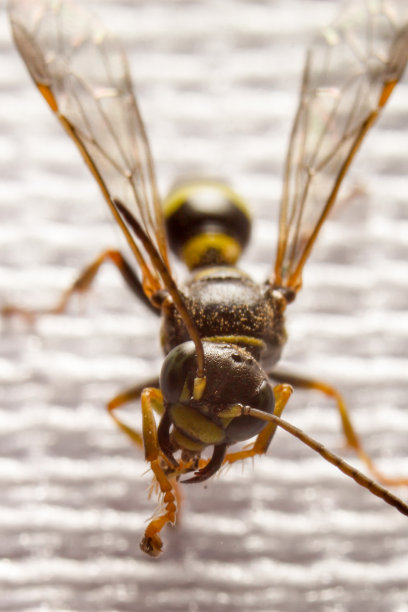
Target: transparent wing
349 74
83 74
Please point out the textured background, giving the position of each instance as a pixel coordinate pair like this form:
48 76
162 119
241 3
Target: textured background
217 84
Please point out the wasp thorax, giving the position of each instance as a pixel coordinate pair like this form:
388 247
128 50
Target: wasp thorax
233 377
207 223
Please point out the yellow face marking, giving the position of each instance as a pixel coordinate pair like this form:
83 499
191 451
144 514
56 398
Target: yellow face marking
195 425
187 443
231 412
185 393
199 387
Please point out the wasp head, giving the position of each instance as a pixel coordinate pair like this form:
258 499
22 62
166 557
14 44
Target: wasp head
233 378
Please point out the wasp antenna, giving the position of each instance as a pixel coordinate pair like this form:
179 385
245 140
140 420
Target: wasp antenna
332 458
170 285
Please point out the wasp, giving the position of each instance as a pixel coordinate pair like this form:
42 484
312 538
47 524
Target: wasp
221 332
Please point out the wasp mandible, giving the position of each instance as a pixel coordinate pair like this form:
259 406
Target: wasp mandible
222 333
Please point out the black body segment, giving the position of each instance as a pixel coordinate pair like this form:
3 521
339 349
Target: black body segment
207 223
227 305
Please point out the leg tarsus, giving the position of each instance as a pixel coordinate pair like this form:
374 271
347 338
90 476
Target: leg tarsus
152 401
151 542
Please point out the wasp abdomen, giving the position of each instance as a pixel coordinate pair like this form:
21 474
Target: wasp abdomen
207 224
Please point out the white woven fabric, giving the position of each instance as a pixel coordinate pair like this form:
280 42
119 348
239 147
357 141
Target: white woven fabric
217 85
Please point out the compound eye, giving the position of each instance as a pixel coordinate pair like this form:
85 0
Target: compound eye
245 427
178 372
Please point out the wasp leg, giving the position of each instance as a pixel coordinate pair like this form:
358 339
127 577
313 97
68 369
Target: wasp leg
151 542
83 284
151 400
126 397
260 446
352 439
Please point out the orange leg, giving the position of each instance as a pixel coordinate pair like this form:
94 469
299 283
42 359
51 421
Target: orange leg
151 543
352 439
83 284
152 400
127 396
260 446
